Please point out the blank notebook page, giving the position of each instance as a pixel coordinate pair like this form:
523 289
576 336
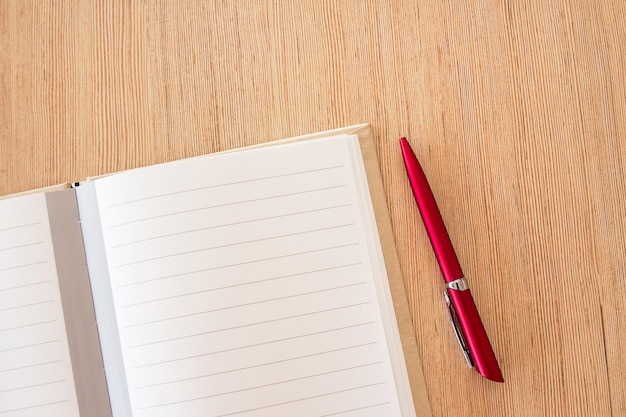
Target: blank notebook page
243 285
35 369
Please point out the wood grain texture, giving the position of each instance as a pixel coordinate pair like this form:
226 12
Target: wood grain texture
517 111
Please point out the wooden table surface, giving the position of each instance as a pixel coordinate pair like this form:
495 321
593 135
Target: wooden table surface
517 111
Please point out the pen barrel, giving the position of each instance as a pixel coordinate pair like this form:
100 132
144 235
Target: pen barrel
480 349
437 232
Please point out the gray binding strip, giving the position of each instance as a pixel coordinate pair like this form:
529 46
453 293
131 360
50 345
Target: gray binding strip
80 321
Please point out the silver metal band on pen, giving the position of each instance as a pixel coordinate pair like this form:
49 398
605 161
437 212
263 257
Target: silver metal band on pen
459 284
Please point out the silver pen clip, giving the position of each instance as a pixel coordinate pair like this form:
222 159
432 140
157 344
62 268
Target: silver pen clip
457 331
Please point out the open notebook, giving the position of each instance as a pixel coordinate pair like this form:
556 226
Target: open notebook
258 282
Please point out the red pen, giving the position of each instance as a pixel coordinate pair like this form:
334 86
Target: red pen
468 328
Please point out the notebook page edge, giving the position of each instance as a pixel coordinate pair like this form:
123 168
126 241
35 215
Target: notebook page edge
102 300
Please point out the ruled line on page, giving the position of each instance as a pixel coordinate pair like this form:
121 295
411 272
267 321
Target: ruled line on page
199 229
21 246
248 283
27 325
303 399
30 345
269 342
197 313
240 263
33 406
269 300
160 216
235 244
250 324
257 365
24 265
225 184
261 386
25 305
43 384
20 226
24 285
34 365
356 409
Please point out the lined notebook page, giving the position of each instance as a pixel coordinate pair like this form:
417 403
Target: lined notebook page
35 369
243 286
